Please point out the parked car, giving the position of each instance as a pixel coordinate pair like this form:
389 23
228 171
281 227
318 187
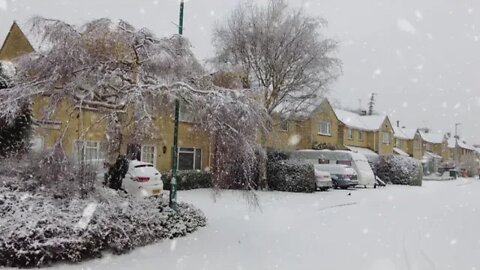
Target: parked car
142 179
357 161
343 176
324 179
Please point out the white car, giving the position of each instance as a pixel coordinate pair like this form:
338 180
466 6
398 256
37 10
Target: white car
324 179
142 179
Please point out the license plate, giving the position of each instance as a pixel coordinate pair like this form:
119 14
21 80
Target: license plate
156 191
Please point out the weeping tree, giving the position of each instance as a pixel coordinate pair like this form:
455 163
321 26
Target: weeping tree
278 52
15 131
130 76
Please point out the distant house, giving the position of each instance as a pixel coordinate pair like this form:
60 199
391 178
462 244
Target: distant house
370 132
433 142
314 125
409 141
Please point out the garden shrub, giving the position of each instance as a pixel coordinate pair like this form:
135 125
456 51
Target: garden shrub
187 180
399 170
285 176
38 230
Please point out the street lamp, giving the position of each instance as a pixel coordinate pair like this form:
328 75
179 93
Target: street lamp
173 185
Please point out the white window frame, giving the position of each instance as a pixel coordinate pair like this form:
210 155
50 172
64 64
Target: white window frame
386 138
350 133
184 114
282 124
194 152
328 126
154 162
360 135
99 154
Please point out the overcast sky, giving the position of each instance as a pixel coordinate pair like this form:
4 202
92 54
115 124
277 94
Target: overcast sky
422 57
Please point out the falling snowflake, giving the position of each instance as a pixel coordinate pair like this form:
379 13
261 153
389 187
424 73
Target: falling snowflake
419 15
406 26
294 140
87 215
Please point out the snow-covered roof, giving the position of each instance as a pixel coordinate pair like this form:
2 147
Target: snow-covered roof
297 109
400 152
362 122
464 145
452 142
404 133
431 137
35 39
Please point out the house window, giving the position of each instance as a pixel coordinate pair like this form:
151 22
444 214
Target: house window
399 143
325 128
350 134
87 150
385 138
360 135
189 158
417 144
148 154
185 113
284 125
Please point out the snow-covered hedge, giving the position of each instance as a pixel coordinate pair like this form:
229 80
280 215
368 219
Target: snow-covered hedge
284 176
399 170
187 180
38 230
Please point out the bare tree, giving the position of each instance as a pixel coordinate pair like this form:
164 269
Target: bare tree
130 76
280 51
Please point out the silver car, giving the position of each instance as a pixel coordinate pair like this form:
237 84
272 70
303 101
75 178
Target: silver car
343 176
323 178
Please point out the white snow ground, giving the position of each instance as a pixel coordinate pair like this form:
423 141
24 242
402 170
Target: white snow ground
436 226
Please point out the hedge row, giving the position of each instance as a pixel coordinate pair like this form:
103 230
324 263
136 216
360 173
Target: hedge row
187 180
399 170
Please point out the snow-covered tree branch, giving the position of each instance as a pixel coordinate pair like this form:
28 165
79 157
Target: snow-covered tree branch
114 68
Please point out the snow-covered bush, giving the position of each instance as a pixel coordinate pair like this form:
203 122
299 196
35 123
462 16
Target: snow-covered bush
187 180
53 173
284 176
276 155
38 230
399 170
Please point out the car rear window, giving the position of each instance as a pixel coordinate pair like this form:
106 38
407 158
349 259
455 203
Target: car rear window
143 165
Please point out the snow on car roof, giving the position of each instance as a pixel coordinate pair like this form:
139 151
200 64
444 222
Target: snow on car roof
362 122
430 137
404 133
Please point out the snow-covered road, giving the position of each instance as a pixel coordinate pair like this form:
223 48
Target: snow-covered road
436 226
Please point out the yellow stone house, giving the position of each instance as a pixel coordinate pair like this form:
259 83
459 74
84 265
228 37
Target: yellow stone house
368 132
327 126
306 129
408 140
82 133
